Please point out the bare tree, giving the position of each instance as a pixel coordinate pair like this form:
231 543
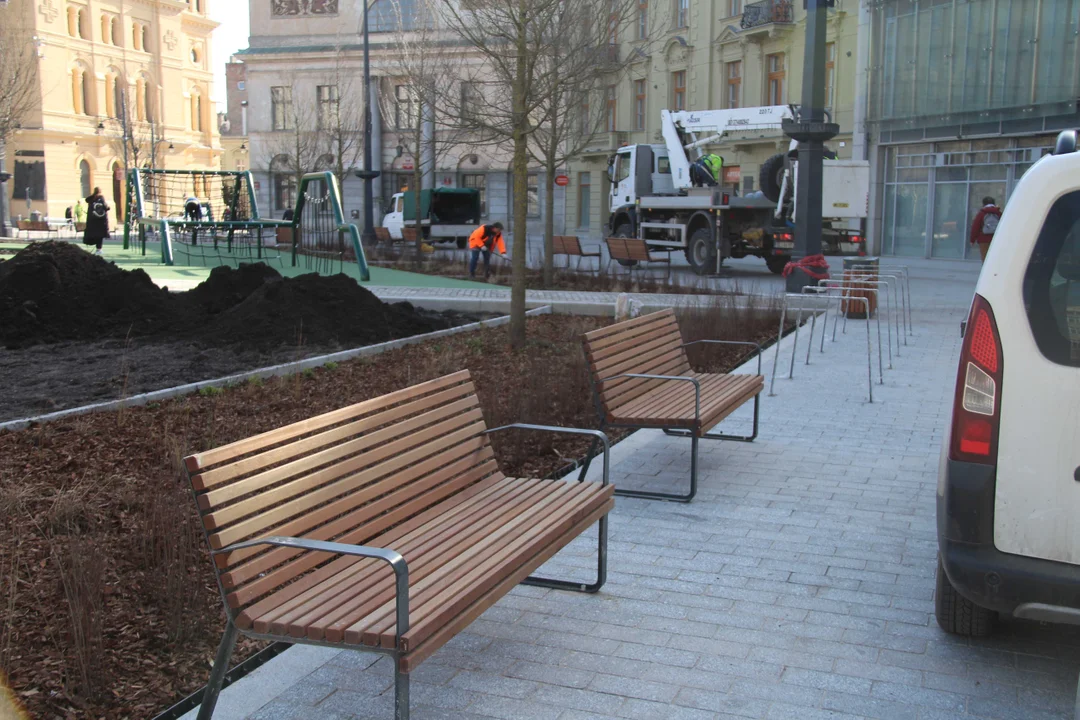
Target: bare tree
340 117
585 64
18 90
512 38
294 144
423 67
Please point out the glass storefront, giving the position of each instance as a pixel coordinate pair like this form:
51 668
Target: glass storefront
933 190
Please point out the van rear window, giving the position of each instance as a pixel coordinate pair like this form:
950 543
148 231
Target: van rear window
1052 283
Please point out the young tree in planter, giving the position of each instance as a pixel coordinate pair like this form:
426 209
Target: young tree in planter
513 39
585 65
423 64
18 89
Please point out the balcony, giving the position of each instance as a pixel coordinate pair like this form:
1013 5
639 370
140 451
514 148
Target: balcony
766 12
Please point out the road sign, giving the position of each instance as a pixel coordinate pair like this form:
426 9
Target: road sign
562 180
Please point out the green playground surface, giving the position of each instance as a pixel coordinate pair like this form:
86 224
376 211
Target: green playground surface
190 269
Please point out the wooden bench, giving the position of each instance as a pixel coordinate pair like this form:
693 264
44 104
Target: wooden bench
29 226
408 234
382 235
384 526
570 246
631 251
641 378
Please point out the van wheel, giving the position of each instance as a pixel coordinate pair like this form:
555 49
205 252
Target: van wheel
624 231
958 615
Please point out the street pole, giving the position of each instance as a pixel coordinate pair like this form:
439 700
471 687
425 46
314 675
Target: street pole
4 177
811 130
367 174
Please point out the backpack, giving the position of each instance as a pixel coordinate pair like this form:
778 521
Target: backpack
990 223
98 209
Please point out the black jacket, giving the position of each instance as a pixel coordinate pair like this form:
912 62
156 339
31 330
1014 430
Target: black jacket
97 219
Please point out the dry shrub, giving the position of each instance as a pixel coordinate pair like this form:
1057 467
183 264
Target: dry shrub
727 317
72 509
81 567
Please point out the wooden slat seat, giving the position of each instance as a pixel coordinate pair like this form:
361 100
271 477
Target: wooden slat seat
382 235
691 405
412 472
570 246
633 251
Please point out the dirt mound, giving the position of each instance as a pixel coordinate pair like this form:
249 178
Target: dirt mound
56 291
53 291
316 310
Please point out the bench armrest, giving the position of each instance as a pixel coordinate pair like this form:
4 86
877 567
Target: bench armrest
697 386
731 342
394 559
601 436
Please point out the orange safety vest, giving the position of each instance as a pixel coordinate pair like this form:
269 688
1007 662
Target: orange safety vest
478 237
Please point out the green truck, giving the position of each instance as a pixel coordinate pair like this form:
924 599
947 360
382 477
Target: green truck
446 214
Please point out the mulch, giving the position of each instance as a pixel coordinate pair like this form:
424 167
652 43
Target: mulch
108 605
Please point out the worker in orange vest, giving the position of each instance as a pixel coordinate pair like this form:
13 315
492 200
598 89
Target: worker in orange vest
484 239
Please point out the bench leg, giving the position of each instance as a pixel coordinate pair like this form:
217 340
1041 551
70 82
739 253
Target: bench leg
722 436
217 675
601 569
670 497
401 693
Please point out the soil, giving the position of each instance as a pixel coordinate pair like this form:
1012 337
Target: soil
108 605
52 292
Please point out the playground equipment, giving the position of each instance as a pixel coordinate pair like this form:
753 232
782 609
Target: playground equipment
213 214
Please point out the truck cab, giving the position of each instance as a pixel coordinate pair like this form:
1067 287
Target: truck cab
446 214
628 184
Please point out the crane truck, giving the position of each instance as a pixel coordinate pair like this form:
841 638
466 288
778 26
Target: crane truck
655 195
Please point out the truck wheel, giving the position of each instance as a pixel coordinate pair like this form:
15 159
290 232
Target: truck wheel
958 615
777 263
462 242
701 251
624 231
772 176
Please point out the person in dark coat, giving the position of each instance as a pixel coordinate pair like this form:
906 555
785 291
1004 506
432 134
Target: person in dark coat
97 220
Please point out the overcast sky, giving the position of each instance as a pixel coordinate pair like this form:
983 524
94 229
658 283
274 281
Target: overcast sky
230 37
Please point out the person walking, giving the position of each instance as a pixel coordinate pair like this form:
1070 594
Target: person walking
97 221
80 214
985 225
485 239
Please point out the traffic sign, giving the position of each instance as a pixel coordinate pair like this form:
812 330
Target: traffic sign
562 180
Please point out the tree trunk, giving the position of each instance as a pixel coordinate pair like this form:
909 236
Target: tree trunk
417 186
521 200
549 219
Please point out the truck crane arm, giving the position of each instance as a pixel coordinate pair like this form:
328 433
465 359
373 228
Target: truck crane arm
710 126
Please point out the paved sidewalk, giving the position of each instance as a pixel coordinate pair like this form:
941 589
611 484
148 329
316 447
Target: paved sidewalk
798 585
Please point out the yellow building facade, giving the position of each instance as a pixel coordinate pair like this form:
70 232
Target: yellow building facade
712 55
123 84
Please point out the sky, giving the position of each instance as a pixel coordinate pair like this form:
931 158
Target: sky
230 37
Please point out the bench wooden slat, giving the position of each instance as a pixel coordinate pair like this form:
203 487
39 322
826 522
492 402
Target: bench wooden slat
436 640
593 337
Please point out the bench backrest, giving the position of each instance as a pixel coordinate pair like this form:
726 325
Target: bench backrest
567 245
408 234
628 249
346 476
382 234
650 344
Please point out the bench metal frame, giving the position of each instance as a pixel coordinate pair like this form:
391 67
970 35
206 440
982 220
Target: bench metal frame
635 262
675 432
581 254
401 591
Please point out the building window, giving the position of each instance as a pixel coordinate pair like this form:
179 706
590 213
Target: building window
585 122
734 84
642 20
678 90
196 56
584 199
404 107
146 99
830 74
775 66
106 29
734 8
639 105
682 13
610 108
136 36
477 181
110 96
532 193
84 24
73 21
329 104
117 33
80 92
140 100
86 183
145 38
281 108
470 100
196 111
284 183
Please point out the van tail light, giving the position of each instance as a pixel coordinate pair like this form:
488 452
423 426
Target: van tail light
856 238
977 406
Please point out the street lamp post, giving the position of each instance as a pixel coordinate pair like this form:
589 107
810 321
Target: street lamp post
811 130
367 174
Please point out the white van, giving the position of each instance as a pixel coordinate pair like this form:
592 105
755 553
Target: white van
1008 505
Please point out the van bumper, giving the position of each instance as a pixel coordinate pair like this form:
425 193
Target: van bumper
975 567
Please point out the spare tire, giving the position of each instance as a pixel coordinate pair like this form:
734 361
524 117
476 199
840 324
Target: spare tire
772 175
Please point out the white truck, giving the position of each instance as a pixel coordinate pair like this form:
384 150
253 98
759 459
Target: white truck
653 197
446 214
